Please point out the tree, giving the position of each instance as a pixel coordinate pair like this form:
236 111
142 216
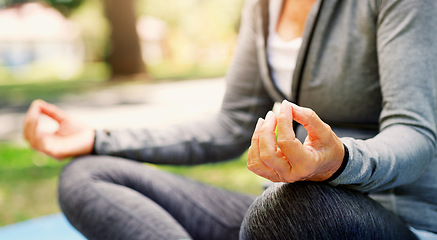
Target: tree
125 51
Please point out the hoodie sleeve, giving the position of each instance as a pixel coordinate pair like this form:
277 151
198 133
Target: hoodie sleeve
407 58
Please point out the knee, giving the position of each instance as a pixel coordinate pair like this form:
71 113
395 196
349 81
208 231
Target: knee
84 169
263 218
75 179
76 172
80 177
302 210
309 210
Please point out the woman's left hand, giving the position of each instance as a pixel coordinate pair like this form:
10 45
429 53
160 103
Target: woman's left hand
283 158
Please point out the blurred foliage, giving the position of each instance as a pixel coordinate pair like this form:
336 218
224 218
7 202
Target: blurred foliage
201 33
95 29
198 20
199 40
89 17
28 181
64 6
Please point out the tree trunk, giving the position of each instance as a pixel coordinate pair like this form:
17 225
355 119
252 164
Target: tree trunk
125 51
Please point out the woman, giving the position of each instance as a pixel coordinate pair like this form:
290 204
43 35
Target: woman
367 68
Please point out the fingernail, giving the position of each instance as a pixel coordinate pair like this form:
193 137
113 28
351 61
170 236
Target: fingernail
258 124
284 105
295 107
269 115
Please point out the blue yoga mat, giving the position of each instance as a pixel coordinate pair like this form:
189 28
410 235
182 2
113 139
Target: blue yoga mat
51 227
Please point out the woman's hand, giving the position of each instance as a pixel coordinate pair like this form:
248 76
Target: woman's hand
71 139
284 158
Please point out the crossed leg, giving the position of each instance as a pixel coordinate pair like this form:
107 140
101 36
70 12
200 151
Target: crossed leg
113 198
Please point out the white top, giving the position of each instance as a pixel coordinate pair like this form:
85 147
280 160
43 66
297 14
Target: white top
281 55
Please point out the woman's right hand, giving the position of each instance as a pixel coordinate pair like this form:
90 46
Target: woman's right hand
71 139
282 157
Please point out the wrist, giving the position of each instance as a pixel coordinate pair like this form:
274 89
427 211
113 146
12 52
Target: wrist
88 142
341 167
93 149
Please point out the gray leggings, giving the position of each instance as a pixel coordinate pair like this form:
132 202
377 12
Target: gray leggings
113 198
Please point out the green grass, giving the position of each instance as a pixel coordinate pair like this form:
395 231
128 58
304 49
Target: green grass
28 181
27 184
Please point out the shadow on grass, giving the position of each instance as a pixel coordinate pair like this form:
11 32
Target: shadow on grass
17 97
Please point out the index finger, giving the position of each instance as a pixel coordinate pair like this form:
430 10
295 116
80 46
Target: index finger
52 111
315 127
